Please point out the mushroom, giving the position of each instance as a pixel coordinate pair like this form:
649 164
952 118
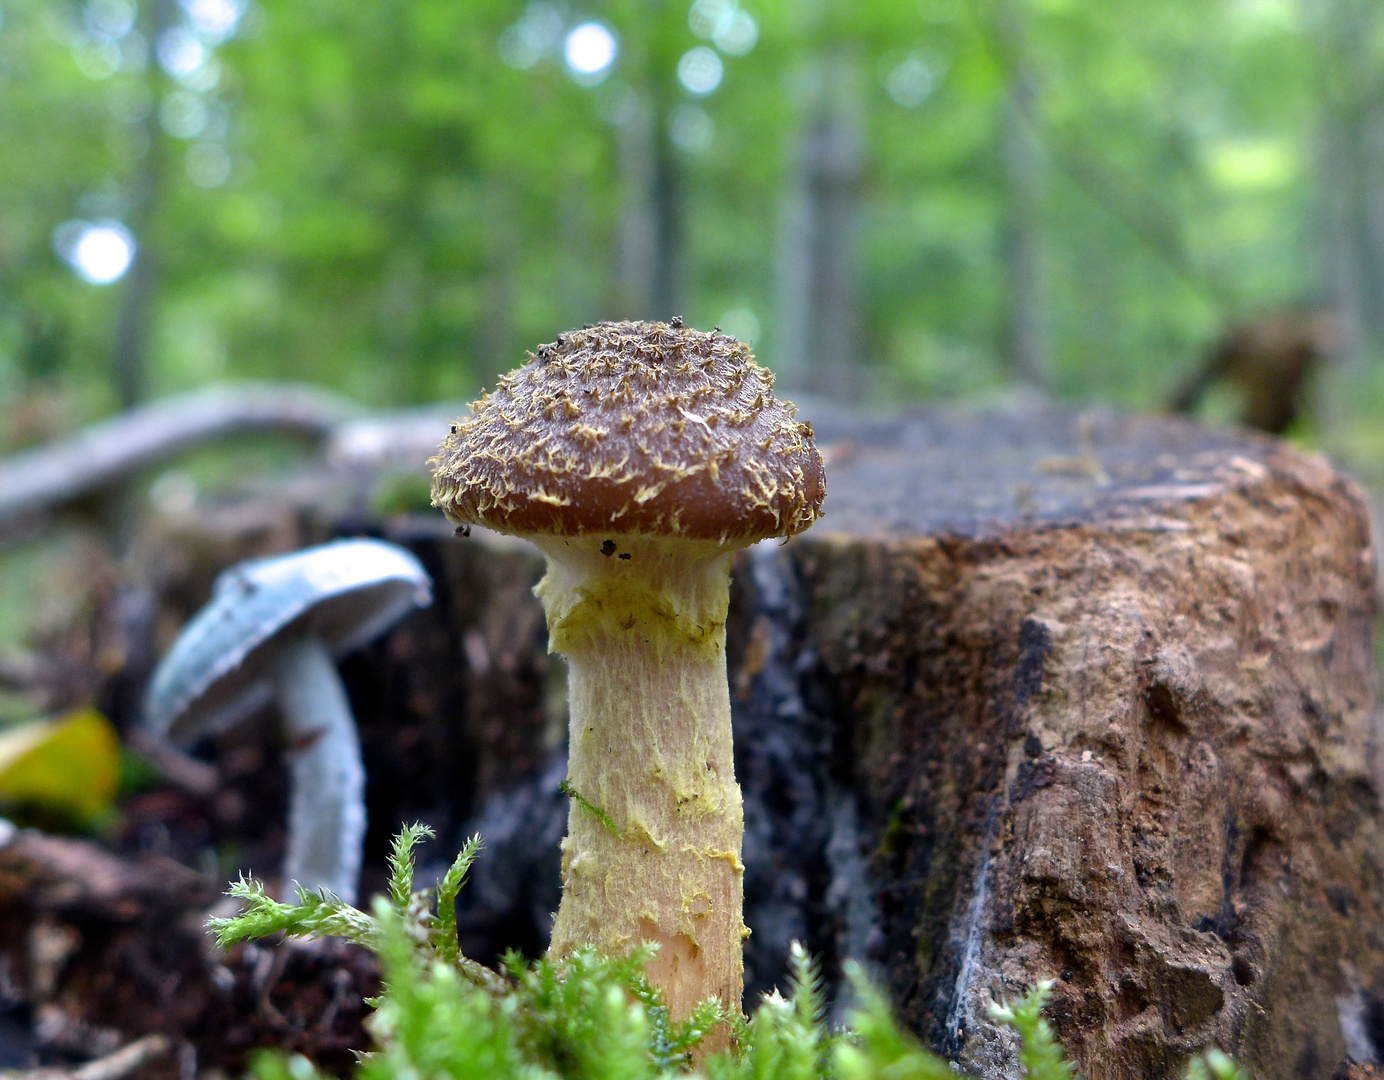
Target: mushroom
271 631
638 457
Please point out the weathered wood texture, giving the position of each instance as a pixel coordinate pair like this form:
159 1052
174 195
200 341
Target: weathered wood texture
1127 741
1043 696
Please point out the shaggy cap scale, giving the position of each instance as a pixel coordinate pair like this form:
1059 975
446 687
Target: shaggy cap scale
637 428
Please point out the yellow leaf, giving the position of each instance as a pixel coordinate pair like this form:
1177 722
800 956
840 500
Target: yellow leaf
70 765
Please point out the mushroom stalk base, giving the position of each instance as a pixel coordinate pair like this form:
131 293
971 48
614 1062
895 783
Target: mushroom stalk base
653 834
326 813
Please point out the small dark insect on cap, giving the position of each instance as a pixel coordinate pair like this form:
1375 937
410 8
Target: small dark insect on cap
676 324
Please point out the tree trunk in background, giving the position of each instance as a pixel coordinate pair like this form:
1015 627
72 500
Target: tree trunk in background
1340 273
819 320
666 296
649 283
1020 126
132 323
1372 189
497 318
399 301
638 240
1352 171
129 359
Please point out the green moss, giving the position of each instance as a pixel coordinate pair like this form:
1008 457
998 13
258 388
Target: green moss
589 1017
595 811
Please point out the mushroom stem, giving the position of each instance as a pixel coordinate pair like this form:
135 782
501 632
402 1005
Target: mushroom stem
653 834
326 814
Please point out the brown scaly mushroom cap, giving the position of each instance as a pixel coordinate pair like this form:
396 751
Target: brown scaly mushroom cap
634 428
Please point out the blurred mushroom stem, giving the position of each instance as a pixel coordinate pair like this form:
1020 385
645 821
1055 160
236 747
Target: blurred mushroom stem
326 814
654 830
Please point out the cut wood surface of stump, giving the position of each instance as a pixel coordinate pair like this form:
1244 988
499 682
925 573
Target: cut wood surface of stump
1043 696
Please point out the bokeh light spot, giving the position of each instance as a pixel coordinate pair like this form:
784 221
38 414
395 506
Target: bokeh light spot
690 128
208 164
737 34
733 30
536 35
179 51
741 323
174 492
110 19
700 70
707 15
1246 165
100 251
98 58
183 114
912 81
590 49
214 19
205 78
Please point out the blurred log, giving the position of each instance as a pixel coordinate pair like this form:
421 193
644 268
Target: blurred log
109 451
1044 696
402 440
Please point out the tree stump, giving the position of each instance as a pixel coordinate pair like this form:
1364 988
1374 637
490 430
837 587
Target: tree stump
1044 696
1105 693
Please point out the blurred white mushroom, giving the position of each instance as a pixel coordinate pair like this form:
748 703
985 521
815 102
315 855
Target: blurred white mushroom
272 631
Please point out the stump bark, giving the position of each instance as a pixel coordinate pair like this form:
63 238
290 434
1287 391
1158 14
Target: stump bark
1044 696
1118 730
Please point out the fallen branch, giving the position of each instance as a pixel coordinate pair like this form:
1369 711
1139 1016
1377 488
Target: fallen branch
51 475
127 1060
400 441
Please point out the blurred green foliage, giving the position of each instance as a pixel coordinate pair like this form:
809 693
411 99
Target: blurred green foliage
395 199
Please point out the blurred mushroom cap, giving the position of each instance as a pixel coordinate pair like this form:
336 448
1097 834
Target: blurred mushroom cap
221 668
633 428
